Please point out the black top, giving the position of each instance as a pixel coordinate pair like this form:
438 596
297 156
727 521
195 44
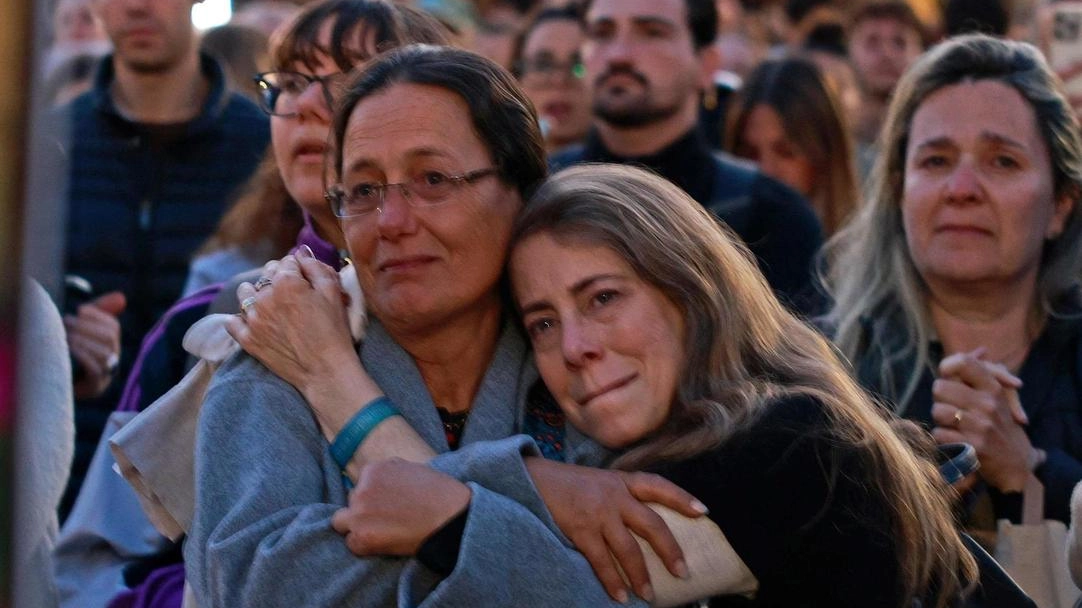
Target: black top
777 224
798 507
1051 396
795 503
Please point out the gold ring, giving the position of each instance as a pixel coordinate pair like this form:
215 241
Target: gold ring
957 418
246 304
262 282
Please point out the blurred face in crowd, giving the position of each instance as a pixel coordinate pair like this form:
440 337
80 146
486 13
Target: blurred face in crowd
495 37
148 35
978 194
641 61
301 125
881 50
300 140
765 142
422 262
609 345
552 76
74 22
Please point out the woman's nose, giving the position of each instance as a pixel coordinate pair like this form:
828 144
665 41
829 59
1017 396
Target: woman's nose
313 102
963 183
579 343
395 216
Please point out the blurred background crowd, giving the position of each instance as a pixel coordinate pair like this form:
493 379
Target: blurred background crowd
183 172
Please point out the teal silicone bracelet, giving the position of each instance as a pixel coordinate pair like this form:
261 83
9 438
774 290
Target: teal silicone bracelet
353 434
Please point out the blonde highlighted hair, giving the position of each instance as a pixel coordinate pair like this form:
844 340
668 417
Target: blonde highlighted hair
744 350
871 273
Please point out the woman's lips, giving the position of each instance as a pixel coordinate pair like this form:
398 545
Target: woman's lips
406 264
963 229
309 152
612 386
558 111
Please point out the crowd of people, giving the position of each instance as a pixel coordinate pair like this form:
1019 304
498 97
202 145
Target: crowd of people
667 302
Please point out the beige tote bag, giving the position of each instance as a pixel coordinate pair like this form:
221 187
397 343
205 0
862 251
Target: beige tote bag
1034 552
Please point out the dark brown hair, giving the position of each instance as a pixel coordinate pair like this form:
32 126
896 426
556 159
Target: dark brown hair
502 115
811 117
356 26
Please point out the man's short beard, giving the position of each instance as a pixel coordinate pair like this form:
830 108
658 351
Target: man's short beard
635 116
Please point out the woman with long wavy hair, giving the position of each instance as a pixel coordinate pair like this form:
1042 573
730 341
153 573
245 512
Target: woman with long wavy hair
956 287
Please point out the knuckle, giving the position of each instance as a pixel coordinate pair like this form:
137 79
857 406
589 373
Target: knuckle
366 539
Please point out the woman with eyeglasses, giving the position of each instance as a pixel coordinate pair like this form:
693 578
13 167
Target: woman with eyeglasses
97 556
548 67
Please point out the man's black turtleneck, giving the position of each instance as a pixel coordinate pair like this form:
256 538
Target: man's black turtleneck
688 162
775 222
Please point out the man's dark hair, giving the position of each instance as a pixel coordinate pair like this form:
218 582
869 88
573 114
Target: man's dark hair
702 20
976 17
502 115
827 38
897 10
795 10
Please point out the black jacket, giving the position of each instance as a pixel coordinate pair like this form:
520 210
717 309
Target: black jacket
775 222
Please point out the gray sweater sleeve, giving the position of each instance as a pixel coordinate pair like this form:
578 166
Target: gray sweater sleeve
508 558
266 488
512 552
265 492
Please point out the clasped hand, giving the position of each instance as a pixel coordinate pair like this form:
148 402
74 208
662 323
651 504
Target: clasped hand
598 510
976 402
296 324
396 505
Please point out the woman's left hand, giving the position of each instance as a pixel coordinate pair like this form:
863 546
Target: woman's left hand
396 505
295 323
976 402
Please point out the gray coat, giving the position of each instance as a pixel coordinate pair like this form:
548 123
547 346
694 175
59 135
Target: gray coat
267 487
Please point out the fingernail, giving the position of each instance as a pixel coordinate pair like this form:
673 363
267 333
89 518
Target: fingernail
681 568
305 251
646 592
621 596
699 507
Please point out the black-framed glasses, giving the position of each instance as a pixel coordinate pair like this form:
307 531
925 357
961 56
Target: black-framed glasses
547 69
427 189
280 91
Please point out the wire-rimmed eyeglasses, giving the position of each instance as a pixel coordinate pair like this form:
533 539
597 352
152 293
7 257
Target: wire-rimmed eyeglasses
427 189
280 91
